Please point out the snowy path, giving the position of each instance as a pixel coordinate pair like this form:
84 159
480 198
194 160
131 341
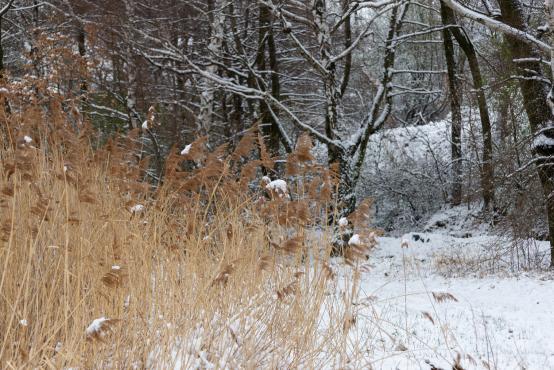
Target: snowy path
497 322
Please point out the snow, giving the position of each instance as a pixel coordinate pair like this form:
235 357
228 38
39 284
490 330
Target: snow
343 222
501 319
27 139
355 240
95 326
116 267
542 141
186 150
418 307
23 322
416 159
137 208
279 186
145 125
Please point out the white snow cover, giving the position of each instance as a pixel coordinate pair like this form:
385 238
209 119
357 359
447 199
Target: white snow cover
145 125
23 322
116 267
186 150
27 139
343 221
355 240
96 326
279 186
494 320
542 141
266 179
137 208
499 320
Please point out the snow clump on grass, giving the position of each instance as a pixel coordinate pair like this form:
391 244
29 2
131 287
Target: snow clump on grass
355 240
186 150
278 186
137 208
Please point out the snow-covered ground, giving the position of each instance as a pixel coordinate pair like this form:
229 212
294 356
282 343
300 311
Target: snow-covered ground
419 307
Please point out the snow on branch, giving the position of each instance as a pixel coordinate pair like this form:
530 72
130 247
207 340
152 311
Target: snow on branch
495 24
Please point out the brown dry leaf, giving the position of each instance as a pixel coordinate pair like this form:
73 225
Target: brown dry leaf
41 211
245 145
328 271
114 278
428 316
362 215
443 297
349 322
265 157
264 262
87 197
8 190
223 276
303 148
287 290
292 245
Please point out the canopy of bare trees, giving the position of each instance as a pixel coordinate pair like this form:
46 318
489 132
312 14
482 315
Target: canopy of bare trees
341 71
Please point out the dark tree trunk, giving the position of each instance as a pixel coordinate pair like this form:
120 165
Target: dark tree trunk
535 104
487 170
1 52
456 128
81 44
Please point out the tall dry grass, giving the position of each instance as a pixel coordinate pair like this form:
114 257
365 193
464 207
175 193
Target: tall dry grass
101 269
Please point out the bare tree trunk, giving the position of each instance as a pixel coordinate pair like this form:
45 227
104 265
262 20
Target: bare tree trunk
487 170
456 127
1 51
331 90
265 36
131 100
207 95
3 11
535 100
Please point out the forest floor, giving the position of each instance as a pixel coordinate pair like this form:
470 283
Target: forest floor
439 299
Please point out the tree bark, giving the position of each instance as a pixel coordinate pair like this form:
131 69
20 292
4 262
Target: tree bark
455 111
535 101
265 37
487 170
207 95
1 51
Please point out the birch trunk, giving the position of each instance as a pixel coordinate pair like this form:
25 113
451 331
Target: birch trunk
207 95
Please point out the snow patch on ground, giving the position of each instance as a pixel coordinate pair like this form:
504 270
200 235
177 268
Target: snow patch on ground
498 321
